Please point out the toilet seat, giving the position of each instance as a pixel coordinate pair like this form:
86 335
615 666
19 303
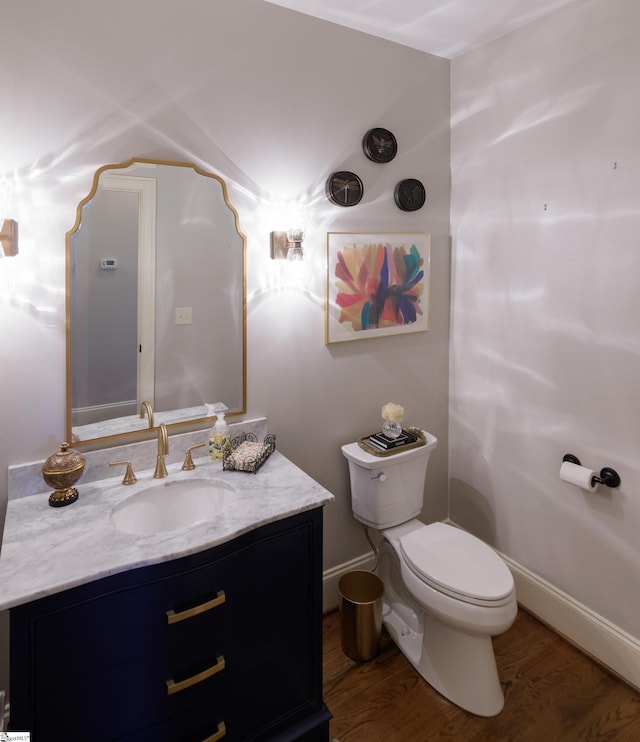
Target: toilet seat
458 564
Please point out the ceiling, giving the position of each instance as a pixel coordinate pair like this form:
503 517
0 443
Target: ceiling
446 28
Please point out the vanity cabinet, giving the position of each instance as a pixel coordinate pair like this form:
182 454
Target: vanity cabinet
222 644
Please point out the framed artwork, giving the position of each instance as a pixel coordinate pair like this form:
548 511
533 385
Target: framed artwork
377 285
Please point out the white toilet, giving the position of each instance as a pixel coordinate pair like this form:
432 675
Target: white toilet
446 593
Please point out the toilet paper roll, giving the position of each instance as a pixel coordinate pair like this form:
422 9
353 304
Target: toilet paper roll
578 475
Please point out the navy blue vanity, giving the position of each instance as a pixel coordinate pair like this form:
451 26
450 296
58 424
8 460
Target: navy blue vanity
220 638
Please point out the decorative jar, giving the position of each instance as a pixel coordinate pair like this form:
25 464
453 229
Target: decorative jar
62 470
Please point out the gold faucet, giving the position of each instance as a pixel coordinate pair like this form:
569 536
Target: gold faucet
163 450
146 407
188 460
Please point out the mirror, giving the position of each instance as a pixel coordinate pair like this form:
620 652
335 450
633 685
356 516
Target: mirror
156 308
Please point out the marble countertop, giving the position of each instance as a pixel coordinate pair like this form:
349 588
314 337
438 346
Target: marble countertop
46 550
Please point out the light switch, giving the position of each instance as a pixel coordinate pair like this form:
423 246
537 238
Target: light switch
183 315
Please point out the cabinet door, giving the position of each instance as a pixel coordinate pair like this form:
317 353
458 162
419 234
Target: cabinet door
274 652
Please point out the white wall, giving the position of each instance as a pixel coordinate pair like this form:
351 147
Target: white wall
273 101
545 340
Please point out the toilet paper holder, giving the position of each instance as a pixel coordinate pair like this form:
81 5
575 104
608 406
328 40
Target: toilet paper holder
608 476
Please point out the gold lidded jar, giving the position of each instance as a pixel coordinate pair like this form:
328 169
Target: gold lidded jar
61 471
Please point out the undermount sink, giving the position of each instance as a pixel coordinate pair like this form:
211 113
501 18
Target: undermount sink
170 506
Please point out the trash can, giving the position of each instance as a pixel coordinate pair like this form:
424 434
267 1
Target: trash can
360 614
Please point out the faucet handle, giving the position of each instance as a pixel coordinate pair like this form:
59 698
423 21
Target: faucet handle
188 461
129 477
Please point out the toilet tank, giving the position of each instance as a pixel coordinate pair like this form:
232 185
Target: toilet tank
387 490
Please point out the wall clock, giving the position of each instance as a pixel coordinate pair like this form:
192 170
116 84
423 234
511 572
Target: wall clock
380 145
410 195
344 188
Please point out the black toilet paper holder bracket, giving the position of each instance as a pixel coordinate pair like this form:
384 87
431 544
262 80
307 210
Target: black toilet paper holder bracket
608 476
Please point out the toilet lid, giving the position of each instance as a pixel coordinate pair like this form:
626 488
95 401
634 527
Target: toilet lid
457 563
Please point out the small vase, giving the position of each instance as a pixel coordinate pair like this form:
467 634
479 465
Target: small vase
391 429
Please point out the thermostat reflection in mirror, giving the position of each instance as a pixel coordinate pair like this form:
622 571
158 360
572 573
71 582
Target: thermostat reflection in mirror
247 454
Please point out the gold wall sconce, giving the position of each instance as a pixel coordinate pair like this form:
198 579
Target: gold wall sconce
287 245
9 237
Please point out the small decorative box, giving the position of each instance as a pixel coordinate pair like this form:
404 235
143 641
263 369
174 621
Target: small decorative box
247 454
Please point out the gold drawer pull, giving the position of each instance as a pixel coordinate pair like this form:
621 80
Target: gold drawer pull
173 687
222 732
173 617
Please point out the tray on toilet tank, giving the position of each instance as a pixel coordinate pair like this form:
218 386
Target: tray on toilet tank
413 438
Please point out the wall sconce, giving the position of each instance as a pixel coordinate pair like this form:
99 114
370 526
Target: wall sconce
9 237
287 245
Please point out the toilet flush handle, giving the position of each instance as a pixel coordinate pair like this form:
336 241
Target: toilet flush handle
379 477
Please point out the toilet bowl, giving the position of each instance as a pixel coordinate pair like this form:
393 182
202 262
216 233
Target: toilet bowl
444 632
446 593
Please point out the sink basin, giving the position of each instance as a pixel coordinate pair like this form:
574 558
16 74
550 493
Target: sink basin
170 506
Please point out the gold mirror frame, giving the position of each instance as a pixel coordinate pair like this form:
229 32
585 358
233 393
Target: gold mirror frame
118 437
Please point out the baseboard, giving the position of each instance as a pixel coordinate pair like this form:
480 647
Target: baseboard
594 635
331 577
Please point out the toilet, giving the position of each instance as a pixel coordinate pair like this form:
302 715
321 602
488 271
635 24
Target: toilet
446 592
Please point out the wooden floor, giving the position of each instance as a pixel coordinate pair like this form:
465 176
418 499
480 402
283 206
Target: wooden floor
553 693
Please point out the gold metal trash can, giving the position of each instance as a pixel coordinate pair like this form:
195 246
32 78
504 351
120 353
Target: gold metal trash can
360 614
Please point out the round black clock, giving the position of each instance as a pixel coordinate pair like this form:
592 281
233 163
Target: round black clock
344 188
380 145
410 195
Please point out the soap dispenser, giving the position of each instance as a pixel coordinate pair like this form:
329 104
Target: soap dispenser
219 437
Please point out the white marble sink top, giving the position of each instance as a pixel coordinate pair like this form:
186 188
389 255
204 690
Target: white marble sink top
46 550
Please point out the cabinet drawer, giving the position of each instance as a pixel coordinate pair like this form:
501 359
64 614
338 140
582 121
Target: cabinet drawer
190 628
132 625
95 655
199 725
133 697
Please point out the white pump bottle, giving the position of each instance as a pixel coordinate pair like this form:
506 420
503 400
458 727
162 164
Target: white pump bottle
219 437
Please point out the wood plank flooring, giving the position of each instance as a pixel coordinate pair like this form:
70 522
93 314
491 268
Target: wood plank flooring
553 692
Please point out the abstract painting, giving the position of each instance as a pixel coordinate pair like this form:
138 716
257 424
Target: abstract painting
377 285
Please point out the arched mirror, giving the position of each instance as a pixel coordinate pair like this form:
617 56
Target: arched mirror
156 308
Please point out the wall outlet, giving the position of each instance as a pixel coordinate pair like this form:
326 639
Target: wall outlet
183 315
